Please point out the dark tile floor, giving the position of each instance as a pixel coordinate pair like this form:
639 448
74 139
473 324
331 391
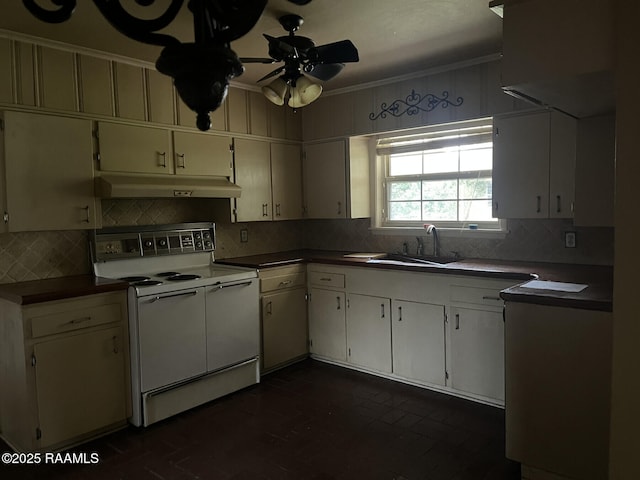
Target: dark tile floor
308 421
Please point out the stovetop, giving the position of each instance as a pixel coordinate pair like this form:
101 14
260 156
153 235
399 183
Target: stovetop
159 259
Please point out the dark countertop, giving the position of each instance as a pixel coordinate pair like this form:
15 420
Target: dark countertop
597 296
36 291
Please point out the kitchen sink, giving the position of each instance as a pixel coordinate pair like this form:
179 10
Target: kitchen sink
399 258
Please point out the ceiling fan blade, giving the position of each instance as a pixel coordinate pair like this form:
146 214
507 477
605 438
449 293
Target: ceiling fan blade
258 60
277 48
300 2
277 71
326 71
338 52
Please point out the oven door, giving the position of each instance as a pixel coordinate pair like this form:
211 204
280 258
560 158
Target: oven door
233 323
171 337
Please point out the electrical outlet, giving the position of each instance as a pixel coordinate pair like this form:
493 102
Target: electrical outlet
570 239
244 235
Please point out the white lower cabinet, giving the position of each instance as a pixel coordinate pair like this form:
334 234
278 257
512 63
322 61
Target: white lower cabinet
444 332
327 324
369 332
477 352
418 341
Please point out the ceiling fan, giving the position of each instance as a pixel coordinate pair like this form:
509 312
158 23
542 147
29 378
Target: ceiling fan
300 54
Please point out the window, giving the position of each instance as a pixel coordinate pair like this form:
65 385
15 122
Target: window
441 176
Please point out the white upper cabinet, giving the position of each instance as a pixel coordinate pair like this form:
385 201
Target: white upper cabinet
48 173
127 148
336 179
286 181
95 79
202 154
57 81
533 165
130 91
253 175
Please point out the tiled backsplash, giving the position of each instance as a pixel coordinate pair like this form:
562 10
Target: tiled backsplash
36 255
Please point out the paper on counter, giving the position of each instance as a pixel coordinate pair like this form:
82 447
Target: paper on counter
555 286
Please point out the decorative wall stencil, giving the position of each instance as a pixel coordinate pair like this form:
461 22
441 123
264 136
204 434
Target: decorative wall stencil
415 103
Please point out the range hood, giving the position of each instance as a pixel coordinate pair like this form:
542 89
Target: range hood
174 186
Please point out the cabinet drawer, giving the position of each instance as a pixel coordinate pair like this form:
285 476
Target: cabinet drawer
327 279
75 319
282 281
476 295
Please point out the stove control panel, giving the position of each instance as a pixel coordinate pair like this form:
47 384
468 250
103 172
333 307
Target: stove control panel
111 244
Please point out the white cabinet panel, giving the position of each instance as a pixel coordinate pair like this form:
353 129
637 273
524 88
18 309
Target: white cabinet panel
253 175
327 324
57 79
418 335
286 181
95 79
369 332
130 91
202 154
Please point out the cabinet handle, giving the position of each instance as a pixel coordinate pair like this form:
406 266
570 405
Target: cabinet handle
284 283
538 204
76 321
164 159
88 217
277 209
155 299
264 209
269 308
382 310
558 209
457 321
399 314
184 162
338 299
339 208
487 297
325 279
226 285
115 344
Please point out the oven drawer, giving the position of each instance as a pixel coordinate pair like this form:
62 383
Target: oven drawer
325 279
50 319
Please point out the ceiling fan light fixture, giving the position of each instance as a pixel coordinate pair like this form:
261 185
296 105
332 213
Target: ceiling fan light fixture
304 92
276 91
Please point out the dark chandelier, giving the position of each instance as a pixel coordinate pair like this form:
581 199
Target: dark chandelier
200 70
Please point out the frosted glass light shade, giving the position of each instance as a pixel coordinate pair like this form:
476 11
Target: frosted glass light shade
304 92
276 91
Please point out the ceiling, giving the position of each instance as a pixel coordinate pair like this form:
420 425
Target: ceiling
393 37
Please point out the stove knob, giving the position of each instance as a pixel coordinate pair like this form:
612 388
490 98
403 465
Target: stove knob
207 244
197 235
148 244
198 245
206 235
162 242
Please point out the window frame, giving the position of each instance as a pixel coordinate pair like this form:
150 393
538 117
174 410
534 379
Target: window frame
436 137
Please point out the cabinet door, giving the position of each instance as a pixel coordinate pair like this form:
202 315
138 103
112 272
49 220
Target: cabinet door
129 88
202 154
324 170
562 165
95 85
49 173
521 166
6 75
127 148
419 341
284 327
253 174
369 332
57 79
160 94
327 328
286 181
477 352
80 384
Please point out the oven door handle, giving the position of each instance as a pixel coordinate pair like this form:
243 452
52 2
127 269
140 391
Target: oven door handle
183 294
226 285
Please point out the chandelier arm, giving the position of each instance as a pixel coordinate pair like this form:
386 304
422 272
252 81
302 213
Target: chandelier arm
138 29
62 14
236 17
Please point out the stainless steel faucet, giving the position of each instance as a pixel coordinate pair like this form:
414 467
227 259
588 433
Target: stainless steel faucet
431 230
